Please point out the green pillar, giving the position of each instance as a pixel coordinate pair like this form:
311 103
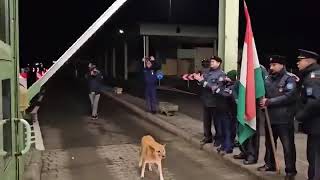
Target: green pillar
228 33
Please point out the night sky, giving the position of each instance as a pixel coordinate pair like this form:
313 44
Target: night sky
48 28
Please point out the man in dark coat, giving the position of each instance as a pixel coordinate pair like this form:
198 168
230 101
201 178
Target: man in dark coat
281 90
309 113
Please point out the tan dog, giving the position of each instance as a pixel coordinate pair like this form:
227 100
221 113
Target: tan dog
151 153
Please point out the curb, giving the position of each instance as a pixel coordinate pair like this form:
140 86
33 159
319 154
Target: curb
33 168
194 141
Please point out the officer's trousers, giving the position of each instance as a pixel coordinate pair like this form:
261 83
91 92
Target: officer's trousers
211 114
286 134
151 98
251 146
234 121
94 99
226 124
313 156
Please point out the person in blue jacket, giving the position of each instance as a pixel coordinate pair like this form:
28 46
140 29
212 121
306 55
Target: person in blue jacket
150 81
215 93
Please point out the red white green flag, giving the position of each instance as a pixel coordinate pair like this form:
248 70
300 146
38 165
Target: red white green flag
251 85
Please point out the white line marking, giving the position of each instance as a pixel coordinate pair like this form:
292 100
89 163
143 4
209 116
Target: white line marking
37 132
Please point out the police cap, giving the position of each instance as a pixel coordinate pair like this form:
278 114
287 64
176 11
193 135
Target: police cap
218 59
305 54
277 59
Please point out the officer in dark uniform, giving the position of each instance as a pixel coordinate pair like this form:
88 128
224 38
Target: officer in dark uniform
309 113
281 90
250 148
231 101
214 105
150 79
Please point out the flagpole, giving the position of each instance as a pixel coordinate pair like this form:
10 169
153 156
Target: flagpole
272 140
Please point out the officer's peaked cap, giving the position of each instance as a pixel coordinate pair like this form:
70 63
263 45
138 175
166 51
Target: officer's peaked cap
305 54
218 59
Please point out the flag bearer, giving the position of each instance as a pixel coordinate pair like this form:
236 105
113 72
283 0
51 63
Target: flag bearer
281 91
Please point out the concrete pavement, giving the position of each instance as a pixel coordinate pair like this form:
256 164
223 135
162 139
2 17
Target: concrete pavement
191 129
84 149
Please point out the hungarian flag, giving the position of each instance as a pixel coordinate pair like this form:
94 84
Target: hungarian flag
251 85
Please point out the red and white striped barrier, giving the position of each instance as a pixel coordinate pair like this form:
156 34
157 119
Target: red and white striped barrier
188 77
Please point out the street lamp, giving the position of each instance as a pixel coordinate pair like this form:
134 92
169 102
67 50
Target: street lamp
121 31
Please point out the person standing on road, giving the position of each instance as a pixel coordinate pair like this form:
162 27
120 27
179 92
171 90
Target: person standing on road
309 113
214 107
150 82
250 148
281 90
95 87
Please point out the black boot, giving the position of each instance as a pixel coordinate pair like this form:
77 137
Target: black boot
250 160
206 140
266 168
239 156
290 176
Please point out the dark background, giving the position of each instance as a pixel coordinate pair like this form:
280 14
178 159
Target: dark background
48 28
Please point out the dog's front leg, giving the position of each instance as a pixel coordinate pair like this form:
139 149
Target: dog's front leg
142 170
160 170
150 168
142 153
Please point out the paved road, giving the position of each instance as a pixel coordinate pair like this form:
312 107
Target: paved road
84 149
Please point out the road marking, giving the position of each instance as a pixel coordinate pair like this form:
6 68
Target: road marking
37 132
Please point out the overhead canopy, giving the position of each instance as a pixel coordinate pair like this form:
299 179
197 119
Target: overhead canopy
178 30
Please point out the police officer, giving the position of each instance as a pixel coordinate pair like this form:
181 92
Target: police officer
309 114
250 148
150 79
231 101
281 90
214 106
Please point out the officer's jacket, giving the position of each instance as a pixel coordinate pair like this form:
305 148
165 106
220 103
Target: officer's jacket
150 77
281 91
213 84
150 74
309 113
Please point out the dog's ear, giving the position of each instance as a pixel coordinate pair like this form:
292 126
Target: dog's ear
152 148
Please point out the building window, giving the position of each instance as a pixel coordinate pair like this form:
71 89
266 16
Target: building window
4 21
6 114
